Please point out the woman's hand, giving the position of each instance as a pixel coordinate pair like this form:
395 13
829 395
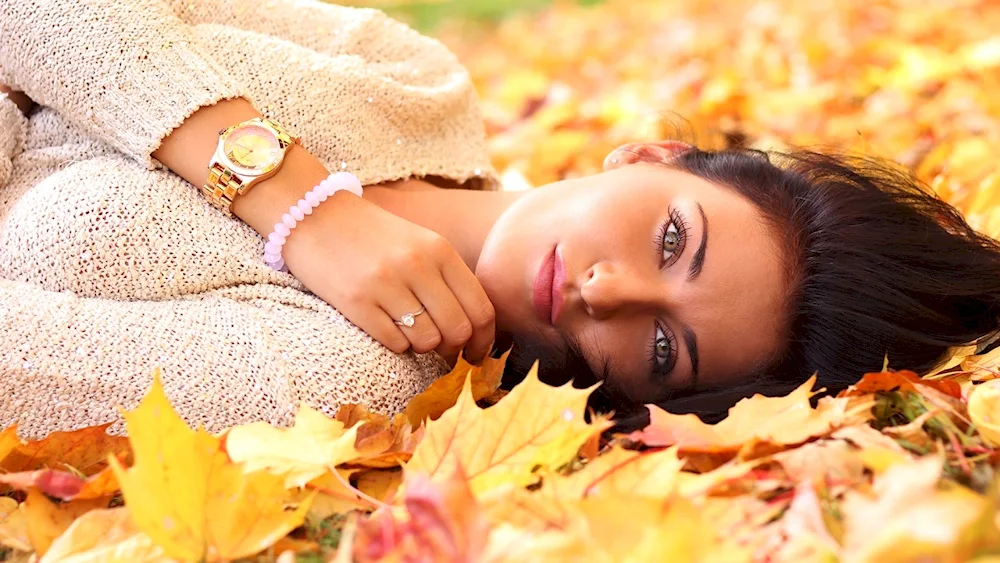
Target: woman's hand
375 267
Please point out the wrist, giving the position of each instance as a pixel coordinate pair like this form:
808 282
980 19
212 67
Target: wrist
266 202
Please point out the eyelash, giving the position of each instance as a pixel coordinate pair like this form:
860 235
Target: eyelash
676 220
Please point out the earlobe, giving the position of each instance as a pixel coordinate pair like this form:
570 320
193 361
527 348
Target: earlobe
653 151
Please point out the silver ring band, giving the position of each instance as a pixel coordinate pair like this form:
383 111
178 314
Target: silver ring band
409 319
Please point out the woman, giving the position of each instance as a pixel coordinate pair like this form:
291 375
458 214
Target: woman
676 275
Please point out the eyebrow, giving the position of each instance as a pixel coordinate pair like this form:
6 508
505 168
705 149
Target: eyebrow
699 256
691 341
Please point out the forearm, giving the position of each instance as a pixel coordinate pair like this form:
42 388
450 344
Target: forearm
188 149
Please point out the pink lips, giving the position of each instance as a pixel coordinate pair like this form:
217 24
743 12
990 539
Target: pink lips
547 291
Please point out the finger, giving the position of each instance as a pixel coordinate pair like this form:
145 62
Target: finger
446 312
423 335
370 318
477 307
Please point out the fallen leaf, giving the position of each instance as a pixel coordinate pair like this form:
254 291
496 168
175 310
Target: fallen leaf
984 410
47 520
439 521
444 392
901 380
313 446
64 485
332 494
908 517
380 484
84 451
831 463
755 426
185 493
104 536
13 525
619 471
535 427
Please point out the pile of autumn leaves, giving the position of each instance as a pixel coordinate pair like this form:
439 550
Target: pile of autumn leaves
896 468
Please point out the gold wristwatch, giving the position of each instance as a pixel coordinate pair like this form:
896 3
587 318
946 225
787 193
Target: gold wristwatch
248 153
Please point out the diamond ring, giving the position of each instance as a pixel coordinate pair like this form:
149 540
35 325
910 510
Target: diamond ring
408 319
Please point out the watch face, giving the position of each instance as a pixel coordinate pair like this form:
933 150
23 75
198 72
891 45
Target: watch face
253 147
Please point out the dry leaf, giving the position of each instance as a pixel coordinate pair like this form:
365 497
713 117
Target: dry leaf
185 493
444 392
984 410
619 471
313 446
901 380
64 485
105 536
909 518
755 425
439 521
535 426
83 451
47 520
13 525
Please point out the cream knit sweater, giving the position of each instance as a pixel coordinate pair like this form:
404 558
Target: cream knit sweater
111 265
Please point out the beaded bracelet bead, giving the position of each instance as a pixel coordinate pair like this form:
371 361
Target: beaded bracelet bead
332 184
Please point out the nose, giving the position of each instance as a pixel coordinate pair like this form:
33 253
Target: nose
610 289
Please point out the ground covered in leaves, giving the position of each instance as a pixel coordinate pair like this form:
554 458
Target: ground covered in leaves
897 468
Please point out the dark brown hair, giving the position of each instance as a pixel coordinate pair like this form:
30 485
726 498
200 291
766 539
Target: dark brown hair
883 269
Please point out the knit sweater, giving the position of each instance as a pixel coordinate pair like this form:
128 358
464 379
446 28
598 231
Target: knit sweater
112 266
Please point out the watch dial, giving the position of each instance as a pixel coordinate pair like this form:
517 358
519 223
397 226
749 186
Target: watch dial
253 147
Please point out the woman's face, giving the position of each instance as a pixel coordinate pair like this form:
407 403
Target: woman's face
666 280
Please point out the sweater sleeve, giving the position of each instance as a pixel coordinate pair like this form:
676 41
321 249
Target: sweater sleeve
128 73
68 362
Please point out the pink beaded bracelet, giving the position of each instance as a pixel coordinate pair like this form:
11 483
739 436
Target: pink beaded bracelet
296 213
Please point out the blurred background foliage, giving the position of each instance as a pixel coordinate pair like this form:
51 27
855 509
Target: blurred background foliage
561 83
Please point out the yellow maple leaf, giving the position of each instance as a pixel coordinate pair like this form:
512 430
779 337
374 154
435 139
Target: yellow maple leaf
313 446
535 426
186 494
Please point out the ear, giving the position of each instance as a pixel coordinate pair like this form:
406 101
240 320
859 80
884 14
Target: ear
654 151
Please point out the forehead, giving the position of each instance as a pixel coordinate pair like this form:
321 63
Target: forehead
736 307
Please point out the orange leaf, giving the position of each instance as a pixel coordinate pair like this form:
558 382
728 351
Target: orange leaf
757 424
900 380
85 451
64 485
444 392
